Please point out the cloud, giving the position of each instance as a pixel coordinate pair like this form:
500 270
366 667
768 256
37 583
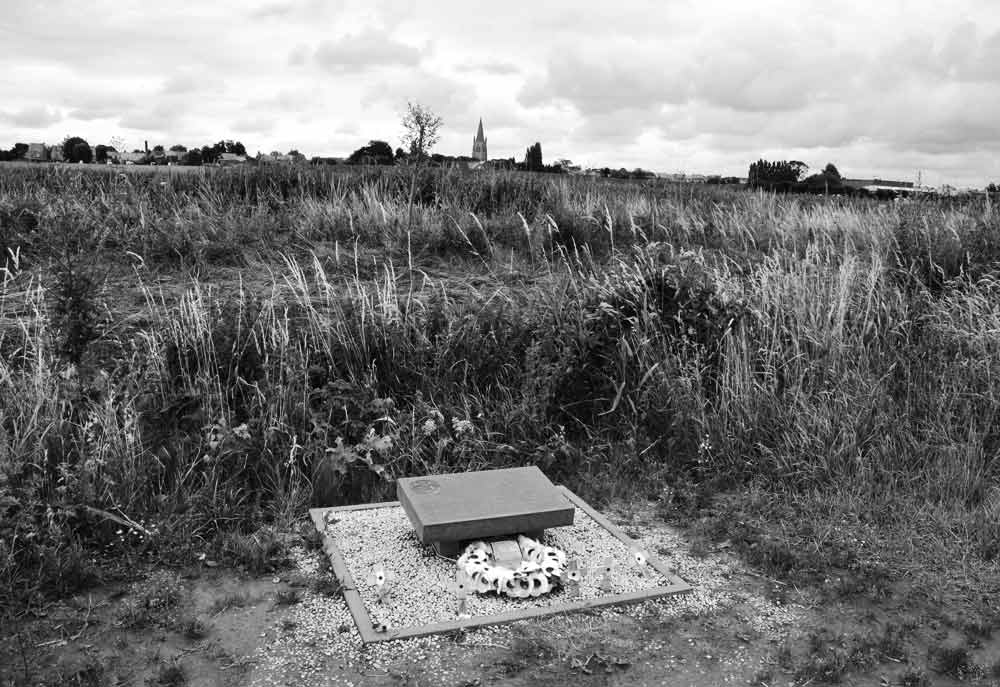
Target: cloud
254 125
298 55
273 10
362 51
164 117
496 68
34 117
90 114
180 83
603 84
448 97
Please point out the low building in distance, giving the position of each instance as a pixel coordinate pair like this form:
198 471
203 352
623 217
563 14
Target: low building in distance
230 159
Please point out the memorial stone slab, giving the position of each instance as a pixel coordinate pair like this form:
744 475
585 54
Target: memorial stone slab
448 509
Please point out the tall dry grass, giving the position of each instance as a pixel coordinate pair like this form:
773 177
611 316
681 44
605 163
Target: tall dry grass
271 340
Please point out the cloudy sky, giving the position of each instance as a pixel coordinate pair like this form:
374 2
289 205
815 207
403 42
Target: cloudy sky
881 89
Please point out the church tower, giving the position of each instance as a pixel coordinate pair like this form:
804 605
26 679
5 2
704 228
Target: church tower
479 144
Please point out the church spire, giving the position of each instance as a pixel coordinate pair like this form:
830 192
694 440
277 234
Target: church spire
479 143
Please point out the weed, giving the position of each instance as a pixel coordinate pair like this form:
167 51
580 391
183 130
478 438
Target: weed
915 677
194 628
954 661
287 597
93 674
232 600
171 675
526 651
263 551
325 583
151 603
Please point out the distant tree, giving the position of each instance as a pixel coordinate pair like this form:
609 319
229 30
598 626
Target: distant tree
533 158
801 169
400 155
18 151
211 154
773 176
375 153
158 149
101 153
82 153
178 148
421 130
992 188
234 147
75 149
294 153
826 182
192 157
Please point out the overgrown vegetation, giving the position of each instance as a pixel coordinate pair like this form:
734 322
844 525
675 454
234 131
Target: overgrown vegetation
184 359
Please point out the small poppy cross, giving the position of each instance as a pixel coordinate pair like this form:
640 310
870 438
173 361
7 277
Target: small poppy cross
638 556
382 581
572 576
460 588
607 566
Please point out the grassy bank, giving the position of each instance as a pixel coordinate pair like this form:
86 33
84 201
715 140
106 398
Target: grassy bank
186 360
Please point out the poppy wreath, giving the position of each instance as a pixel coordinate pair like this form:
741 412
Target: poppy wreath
540 571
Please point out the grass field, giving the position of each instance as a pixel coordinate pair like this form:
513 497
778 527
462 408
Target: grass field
187 361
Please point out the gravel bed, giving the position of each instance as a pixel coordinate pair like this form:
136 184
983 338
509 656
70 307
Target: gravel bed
420 594
321 645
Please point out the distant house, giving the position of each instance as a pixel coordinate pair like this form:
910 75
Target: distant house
36 152
230 159
279 159
56 153
128 158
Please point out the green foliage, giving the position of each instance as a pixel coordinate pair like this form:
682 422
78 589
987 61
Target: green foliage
954 661
375 153
624 337
533 158
421 128
74 307
76 149
101 153
262 551
773 176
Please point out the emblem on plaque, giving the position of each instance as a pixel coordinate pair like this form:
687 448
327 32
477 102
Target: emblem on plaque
425 486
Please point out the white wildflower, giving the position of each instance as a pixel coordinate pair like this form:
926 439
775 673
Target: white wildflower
461 427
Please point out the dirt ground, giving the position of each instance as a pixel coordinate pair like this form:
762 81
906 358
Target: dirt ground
207 625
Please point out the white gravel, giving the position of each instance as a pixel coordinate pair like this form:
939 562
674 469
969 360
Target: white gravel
420 594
